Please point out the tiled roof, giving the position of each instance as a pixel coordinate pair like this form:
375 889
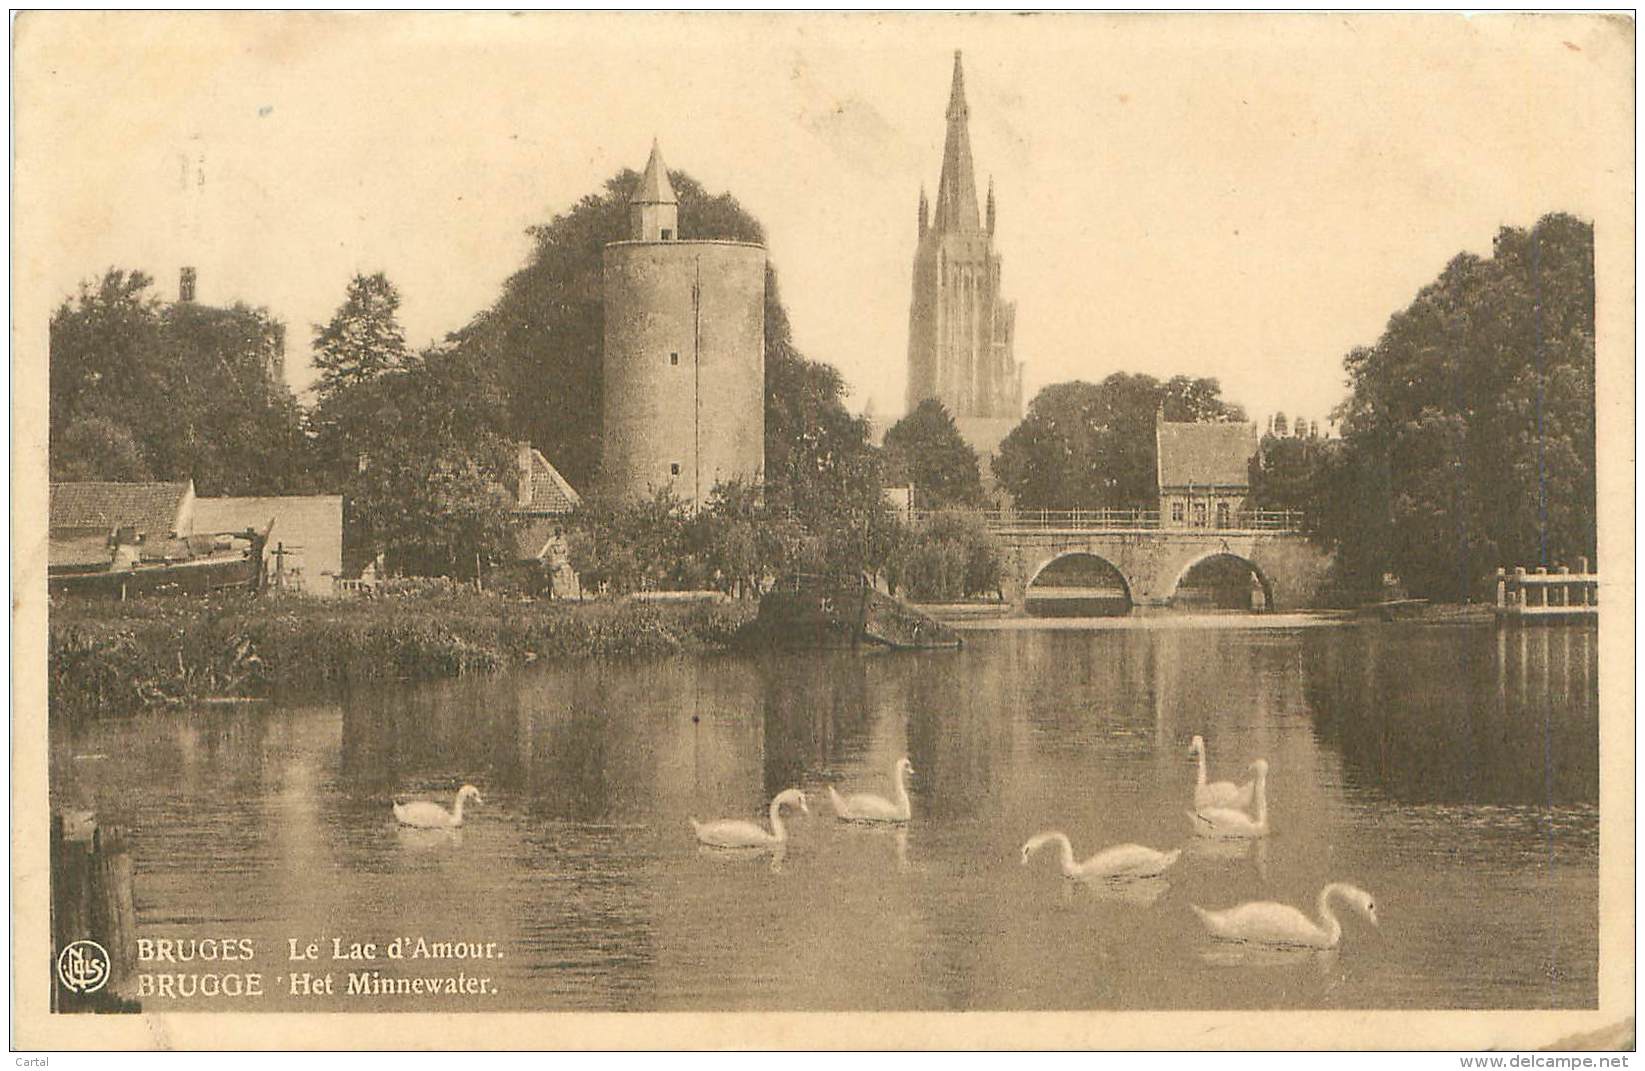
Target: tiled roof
1205 455
71 547
550 494
152 507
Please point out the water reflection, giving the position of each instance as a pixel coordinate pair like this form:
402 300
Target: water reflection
1453 771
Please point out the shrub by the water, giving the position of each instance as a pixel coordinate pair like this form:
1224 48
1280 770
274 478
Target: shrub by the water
117 657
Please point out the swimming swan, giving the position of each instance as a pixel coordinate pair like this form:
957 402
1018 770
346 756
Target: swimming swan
863 807
425 815
1265 922
736 833
1123 861
1228 822
1218 793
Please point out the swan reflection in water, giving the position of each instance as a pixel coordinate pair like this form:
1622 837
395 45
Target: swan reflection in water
418 839
1231 851
774 855
1137 892
896 834
1243 954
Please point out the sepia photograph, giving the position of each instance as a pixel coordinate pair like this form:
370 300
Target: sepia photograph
618 530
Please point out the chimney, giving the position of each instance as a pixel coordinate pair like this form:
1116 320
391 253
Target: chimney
185 286
523 453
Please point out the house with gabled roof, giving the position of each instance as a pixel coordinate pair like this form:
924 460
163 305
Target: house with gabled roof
543 503
1204 472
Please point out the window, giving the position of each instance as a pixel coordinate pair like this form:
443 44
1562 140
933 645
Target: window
674 358
1222 515
668 235
674 469
1176 513
1199 515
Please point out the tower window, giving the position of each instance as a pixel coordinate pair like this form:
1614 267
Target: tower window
674 357
668 234
674 468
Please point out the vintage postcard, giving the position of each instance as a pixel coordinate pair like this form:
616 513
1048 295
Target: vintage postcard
819 530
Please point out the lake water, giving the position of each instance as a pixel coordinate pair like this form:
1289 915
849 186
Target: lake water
1451 771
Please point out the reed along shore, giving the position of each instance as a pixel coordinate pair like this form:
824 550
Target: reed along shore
116 657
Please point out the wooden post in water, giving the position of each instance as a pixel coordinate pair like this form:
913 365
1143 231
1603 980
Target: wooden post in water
91 900
1501 587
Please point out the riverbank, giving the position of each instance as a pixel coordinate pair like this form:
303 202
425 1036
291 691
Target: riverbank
112 657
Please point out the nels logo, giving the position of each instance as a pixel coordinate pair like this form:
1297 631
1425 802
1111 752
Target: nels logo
83 967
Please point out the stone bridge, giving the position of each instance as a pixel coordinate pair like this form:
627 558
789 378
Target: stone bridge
1152 561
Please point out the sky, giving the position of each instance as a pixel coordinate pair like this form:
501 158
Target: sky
1240 197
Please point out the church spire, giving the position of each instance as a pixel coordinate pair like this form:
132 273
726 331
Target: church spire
925 211
990 210
957 189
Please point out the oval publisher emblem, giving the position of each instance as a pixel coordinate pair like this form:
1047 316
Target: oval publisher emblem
83 967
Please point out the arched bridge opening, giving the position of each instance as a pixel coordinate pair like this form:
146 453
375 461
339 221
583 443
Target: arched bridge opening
1077 584
1222 581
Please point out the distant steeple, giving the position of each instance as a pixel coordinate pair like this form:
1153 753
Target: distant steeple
925 211
990 212
957 189
654 211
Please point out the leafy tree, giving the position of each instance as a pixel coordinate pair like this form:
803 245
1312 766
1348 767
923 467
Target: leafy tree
926 448
951 556
431 490
98 448
142 389
1091 445
1468 435
363 338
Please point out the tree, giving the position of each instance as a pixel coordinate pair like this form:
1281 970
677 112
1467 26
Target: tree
1468 433
431 489
363 338
141 389
1091 445
926 448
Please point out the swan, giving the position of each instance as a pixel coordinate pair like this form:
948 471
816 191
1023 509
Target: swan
1123 861
1218 793
425 815
1228 822
736 833
864 807
1265 922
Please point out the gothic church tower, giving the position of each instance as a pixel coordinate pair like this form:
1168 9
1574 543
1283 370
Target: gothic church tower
959 329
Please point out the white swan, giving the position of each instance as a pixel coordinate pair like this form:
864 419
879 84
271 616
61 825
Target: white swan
1218 793
1228 822
424 815
864 807
1123 861
736 833
1265 922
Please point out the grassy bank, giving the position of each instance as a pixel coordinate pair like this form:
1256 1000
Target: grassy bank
108 657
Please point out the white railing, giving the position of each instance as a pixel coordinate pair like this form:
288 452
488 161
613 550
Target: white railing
1122 520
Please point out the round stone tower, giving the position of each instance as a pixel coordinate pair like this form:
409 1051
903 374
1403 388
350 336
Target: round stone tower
684 362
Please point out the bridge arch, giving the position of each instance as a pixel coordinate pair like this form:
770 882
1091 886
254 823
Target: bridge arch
1073 556
1223 555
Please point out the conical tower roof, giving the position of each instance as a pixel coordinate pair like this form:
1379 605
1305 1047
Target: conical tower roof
655 189
957 189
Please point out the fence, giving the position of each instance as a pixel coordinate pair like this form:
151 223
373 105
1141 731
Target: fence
1120 520
1561 593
